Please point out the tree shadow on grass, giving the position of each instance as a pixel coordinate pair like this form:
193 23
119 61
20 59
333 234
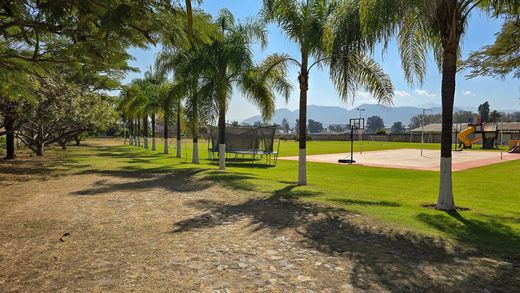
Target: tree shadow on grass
394 260
180 180
491 235
26 169
274 212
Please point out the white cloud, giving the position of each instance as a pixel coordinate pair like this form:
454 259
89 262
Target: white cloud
468 93
424 93
365 97
402 93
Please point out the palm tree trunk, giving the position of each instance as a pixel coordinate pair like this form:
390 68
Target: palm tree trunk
145 131
222 134
189 13
303 79
178 155
130 132
138 132
194 132
449 70
153 132
9 138
165 136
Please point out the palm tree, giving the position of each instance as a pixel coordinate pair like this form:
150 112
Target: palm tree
228 63
438 25
151 84
131 105
167 96
314 26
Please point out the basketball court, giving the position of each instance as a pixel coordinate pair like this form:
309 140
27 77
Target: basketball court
412 159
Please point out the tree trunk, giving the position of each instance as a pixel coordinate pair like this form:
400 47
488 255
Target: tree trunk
145 131
9 138
138 132
153 132
449 70
130 132
39 149
165 136
78 140
194 132
63 145
222 134
303 79
179 131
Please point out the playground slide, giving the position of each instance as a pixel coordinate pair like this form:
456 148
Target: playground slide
463 136
514 149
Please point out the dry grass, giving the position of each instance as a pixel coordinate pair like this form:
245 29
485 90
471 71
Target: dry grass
164 230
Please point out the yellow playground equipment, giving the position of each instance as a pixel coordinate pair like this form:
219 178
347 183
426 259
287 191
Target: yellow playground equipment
465 140
488 134
514 146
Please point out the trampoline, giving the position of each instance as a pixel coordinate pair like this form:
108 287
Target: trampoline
252 141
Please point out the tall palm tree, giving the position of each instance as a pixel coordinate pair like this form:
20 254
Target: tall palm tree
229 63
187 66
437 25
167 96
151 86
314 26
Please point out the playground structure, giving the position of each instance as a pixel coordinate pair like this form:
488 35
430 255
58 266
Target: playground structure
488 135
514 146
244 141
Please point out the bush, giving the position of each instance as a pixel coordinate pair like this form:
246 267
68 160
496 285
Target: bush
381 131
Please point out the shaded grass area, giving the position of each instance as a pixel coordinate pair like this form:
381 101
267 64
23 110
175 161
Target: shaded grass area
389 197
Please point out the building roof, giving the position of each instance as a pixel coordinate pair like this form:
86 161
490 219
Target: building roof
457 127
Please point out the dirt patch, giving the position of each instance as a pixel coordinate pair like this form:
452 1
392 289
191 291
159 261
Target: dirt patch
163 231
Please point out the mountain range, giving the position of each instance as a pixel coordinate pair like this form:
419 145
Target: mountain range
338 115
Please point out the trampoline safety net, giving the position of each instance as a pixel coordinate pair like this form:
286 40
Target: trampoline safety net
246 140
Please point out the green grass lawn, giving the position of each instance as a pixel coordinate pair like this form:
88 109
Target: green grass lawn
389 197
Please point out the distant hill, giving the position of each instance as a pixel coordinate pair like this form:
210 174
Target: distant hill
338 115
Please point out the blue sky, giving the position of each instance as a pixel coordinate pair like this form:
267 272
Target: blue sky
501 94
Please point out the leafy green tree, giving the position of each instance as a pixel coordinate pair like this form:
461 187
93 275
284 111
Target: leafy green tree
285 125
397 128
374 123
463 116
495 116
324 31
417 120
16 98
64 111
483 110
88 36
315 126
501 58
422 25
229 63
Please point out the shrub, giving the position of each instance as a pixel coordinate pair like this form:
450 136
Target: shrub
381 131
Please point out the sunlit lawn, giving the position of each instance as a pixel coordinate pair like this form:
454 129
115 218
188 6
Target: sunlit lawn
390 197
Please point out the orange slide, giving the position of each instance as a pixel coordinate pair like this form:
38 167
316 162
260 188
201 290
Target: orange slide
514 146
463 136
